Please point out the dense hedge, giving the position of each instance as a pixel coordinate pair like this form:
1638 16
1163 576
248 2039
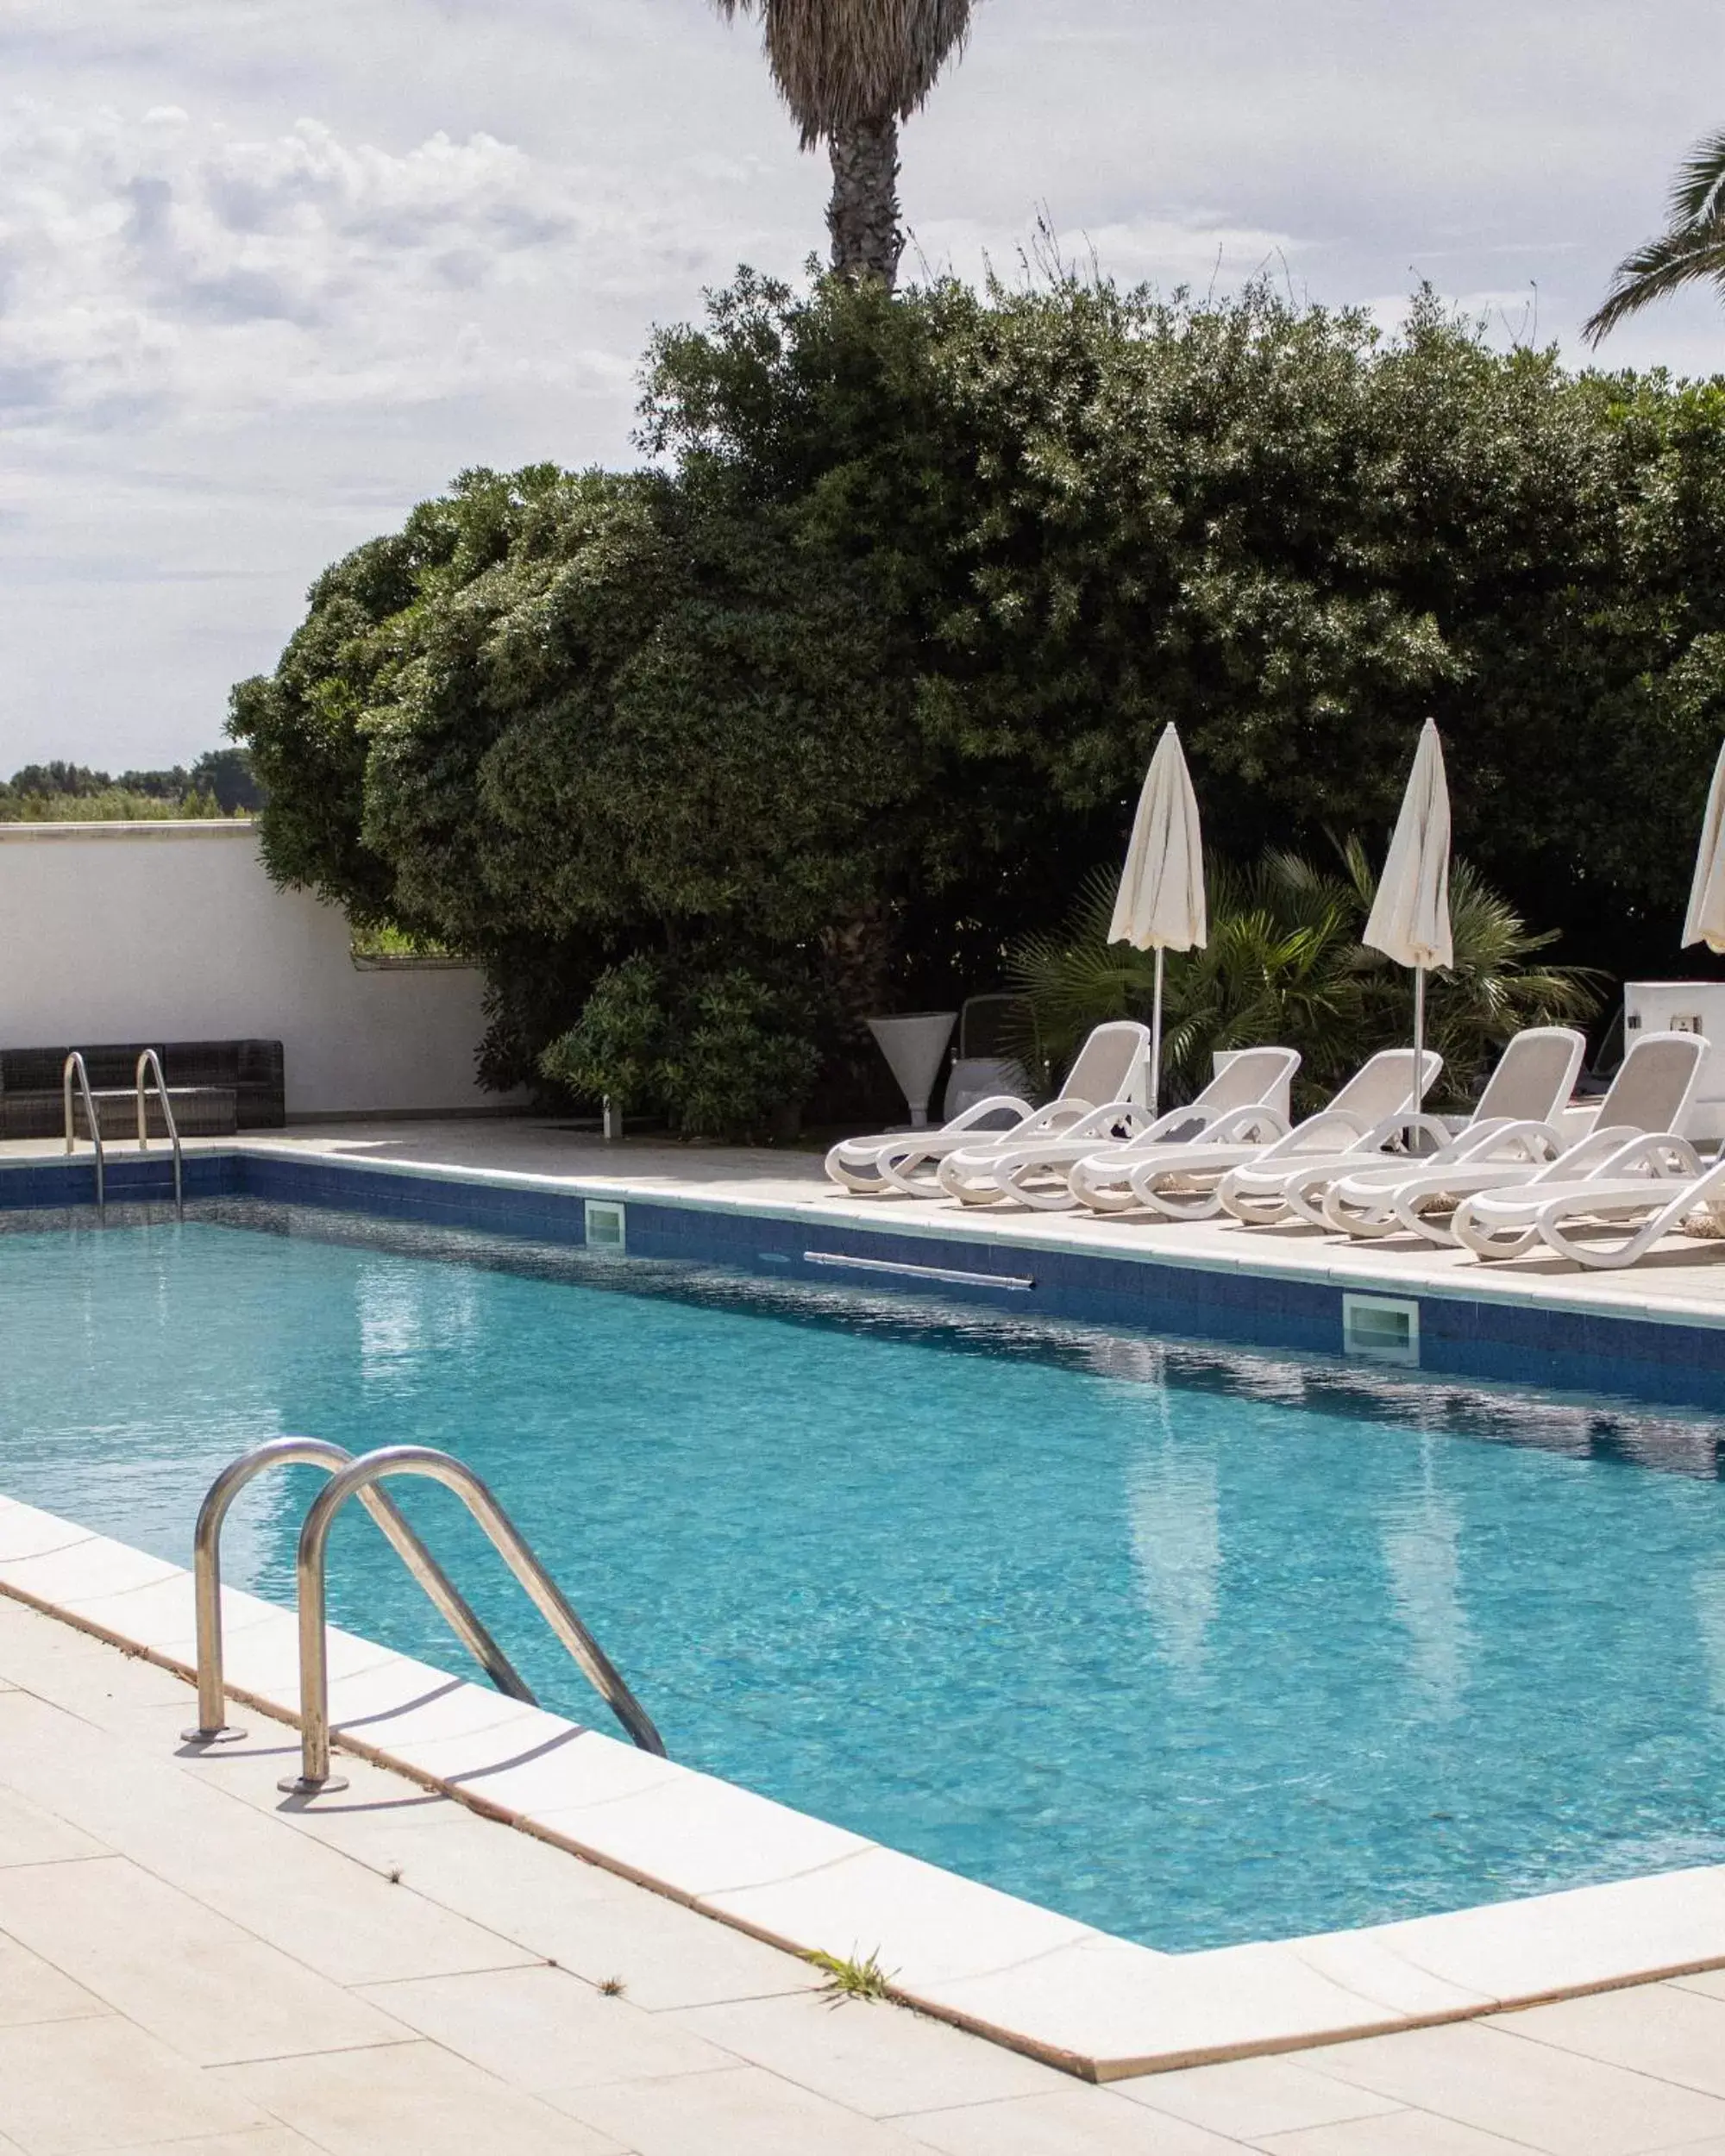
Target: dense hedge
852 683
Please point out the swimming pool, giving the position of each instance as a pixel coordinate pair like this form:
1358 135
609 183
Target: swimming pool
1197 1646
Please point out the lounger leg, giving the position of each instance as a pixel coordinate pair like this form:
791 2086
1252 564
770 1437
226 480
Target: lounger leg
1411 1215
1182 1204
1043 1197
1605 1257
1490 1242
1109 1195
900 1171
1304 1205
1259 1212
1350 1220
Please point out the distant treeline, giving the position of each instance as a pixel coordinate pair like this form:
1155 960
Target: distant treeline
220 783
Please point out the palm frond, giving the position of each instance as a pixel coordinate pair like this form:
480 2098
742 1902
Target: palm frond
1284 962
840 63
1698 195
1691 248
1653 272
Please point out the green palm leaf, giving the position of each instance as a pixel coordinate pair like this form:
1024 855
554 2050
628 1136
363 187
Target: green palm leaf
1691 248
1284 963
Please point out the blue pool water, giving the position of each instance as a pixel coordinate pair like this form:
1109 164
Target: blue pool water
1194 1646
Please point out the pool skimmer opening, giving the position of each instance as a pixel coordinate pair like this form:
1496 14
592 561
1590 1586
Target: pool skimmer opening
607 1226
1381 1329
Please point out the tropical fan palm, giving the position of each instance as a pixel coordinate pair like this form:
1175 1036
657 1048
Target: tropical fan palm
1490 992
850 70
1284 963
1280 965
1691 247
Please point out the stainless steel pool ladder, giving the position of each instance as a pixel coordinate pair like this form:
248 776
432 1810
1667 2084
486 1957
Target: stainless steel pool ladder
351 1477
74 1069
149 1074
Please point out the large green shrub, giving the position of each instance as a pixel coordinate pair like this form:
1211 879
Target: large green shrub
850 686
721 1055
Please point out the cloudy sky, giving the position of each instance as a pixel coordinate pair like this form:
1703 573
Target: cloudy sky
271 274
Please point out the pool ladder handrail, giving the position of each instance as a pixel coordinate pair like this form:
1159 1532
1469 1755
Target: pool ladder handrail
213 1727
311 1568
150 1072
74 1069
351 1477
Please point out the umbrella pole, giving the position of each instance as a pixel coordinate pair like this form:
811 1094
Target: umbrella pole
1418 1038
1156 1037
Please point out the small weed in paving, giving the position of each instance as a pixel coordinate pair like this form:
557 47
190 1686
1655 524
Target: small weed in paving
852 1979
612 1988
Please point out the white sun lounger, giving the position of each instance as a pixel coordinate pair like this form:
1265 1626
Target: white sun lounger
1239 1103
902 1163
1184 1182
1531 1084
1635 1195
1376 1103
1649 1098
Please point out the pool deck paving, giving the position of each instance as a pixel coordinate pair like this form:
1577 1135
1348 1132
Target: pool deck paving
191 1962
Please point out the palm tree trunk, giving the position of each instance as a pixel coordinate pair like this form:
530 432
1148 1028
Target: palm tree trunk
863 215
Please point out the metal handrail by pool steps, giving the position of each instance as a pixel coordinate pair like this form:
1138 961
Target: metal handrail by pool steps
74 1069
353 1481
150 1073
213 1727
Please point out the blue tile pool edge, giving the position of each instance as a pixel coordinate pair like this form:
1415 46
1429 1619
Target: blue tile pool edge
1524 1336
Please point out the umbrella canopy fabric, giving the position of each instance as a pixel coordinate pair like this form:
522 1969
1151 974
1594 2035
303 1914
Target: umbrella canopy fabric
1410 916
1705 921
1161 901
1160 904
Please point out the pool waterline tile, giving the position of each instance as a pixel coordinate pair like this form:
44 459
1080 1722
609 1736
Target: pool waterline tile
1100 2007
1266 1288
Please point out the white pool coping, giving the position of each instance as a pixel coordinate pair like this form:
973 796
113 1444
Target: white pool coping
1659 1290
1098 2005
1681 1283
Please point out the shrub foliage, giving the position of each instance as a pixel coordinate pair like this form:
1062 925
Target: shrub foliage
844 692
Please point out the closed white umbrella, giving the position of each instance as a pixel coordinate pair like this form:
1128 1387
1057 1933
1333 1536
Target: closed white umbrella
1160 906
1705 921
1410 916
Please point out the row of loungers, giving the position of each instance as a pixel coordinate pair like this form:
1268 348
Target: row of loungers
1599 1185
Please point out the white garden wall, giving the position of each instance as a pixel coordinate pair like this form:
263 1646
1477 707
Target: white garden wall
172 931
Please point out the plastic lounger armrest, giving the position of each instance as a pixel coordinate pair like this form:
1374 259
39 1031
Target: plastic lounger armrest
1310 1135
1417 1120
1101 1122
1389 1128
1662 1155
1480 1138
1589 1155
996 1104
1551 1132
1234 1126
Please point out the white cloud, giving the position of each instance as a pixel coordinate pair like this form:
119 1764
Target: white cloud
157 264
235 339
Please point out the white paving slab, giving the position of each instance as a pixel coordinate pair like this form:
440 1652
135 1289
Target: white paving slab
703 2039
